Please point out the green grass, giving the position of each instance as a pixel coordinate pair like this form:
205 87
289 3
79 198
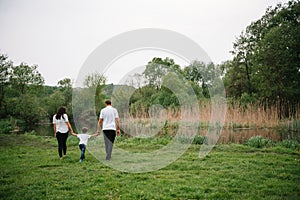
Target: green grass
31 169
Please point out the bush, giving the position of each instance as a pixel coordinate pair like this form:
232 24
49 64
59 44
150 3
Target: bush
184 139
199 139
291 144
259 142
6 126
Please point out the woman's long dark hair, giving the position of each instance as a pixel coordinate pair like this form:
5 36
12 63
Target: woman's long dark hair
60 113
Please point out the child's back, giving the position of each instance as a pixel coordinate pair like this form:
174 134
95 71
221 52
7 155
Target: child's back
83 140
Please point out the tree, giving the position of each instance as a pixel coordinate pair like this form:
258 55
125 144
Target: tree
202 74
242 63
277 57
121 99
25 103
53 102
5 67
95 83
24 76
31 110
65 86
88 101
234 80
266 58
65 83
157 68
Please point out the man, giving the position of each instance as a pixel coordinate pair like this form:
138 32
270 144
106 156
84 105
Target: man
109 119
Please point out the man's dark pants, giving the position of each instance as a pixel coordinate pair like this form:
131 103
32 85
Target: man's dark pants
109 139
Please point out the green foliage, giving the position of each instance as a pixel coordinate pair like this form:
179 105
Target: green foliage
170 86
5 67
121 97
200 139
246 100
184 139
291 144
23 76
205 76
266 59
95 83
157 68
6 126
54 101
30 110
259 142
65 87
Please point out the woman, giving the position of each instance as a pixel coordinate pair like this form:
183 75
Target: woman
61 127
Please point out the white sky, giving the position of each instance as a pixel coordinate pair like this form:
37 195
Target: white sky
59 35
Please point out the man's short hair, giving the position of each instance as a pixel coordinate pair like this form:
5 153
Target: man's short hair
108 102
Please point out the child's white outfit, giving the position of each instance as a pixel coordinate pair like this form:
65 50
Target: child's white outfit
82 144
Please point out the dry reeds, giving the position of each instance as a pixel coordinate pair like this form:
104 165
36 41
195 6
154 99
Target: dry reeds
240 123
250 116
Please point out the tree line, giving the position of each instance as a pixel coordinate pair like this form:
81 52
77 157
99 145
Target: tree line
266 62
265 69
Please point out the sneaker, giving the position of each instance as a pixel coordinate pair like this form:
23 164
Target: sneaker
80 160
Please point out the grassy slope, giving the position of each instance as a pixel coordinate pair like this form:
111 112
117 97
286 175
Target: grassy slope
30 169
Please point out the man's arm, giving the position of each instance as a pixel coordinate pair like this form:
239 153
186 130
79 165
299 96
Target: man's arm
99 125
118 126
95 134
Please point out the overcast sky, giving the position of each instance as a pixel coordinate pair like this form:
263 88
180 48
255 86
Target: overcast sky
59 35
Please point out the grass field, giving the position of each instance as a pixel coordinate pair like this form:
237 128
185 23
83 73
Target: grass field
31 169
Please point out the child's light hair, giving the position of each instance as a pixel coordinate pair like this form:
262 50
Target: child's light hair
84 129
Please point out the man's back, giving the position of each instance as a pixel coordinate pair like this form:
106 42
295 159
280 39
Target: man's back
109 115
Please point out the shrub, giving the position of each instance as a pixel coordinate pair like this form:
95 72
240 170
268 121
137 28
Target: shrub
200 139
259 142
184 139
6 126
291 144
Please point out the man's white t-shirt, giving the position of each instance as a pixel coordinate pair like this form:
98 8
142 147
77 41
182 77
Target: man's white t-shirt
83 138
109 115
61 125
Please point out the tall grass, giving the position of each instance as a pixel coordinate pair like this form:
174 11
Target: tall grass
241 122
237 116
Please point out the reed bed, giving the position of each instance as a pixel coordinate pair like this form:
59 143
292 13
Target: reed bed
239 123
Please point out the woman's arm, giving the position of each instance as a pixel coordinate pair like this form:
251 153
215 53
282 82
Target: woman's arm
70 127
54 127
74 134
71 130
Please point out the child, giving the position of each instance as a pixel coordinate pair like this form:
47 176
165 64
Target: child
83 137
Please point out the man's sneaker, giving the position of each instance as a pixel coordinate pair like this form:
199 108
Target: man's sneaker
80 160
